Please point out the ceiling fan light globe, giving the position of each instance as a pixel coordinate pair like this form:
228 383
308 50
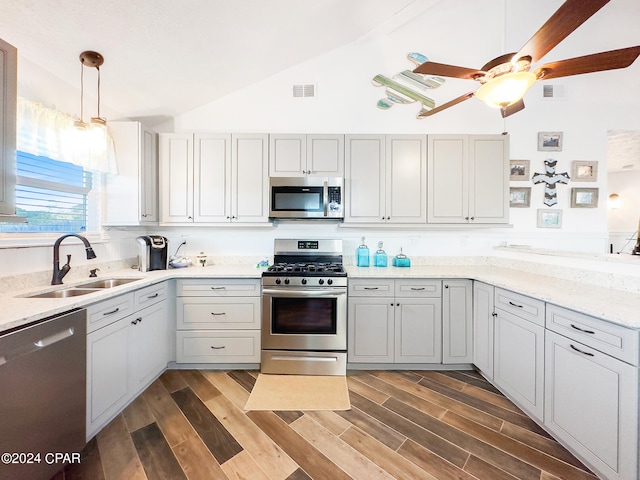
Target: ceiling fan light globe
506 89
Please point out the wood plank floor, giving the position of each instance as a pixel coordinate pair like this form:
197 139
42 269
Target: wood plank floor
191 424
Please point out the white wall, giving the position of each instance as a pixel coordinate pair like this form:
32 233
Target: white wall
458 32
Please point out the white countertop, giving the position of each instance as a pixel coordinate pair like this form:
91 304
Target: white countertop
615 306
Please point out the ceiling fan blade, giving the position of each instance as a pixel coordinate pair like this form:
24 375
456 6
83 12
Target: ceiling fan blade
597 62
565 20
511 109
444 106
444 70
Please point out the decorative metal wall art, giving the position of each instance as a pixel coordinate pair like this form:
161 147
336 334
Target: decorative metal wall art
408 87
550 178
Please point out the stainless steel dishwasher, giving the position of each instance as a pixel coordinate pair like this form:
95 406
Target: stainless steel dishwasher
42 396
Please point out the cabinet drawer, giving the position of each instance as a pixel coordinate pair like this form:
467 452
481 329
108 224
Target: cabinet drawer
218 347
418 288
218 313
368 288
615 340
236 287
150 295
104 313
520 305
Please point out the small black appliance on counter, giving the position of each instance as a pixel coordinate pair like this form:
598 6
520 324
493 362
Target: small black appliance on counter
152 253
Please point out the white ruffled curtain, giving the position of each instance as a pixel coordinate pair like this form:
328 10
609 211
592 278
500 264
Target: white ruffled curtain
46 132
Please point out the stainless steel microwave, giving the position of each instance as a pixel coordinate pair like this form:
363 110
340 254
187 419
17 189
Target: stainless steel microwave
306 197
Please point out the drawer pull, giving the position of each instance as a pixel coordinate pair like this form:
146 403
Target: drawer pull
217 348
221 313
590 332
112 311
371 288
419 288
515 304
580 351
136 321
218 288
153 296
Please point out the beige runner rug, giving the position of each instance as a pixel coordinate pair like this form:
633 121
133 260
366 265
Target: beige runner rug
299 392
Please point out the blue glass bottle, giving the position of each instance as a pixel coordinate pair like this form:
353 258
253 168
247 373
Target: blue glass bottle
362 255
380 257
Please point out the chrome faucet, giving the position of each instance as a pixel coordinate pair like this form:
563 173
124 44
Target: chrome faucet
59 273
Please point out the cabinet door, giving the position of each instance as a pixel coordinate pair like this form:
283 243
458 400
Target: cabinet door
150 345
448 176
287 155
108 376
212 177
591 404
249 178
418 330
457 321
325 155
406 178
149 177
489 178
8 99
371 330
483 315
176 178
365 179
518 367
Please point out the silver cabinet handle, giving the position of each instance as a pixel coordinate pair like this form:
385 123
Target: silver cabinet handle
580 351
515 304
112 311
217 348
590 332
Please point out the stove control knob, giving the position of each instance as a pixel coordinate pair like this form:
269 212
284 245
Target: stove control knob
286 281
321 281
329 282
278 281
304 281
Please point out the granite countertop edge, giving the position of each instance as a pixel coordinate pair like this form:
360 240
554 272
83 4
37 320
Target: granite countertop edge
615 306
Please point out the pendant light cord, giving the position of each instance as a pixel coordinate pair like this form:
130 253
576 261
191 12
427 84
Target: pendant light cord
82 92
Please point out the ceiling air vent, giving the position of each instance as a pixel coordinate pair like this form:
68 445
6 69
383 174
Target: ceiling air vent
552 92
305 90
547 91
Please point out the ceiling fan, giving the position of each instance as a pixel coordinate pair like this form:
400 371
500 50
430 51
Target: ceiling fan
505 79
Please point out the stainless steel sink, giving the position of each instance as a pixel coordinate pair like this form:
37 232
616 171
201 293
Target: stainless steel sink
67 292
107 282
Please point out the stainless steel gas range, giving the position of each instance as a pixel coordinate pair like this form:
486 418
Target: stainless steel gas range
304 309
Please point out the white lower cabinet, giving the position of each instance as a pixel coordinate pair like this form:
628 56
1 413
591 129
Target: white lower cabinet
457 321
125 356
518 368
401 321
591 398
218 321
483 315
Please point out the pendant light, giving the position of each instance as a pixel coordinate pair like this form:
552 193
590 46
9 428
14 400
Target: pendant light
95 133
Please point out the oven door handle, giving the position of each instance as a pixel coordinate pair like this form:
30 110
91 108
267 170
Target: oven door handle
321 292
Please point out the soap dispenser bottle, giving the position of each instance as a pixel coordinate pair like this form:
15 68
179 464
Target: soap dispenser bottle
380 257
362 255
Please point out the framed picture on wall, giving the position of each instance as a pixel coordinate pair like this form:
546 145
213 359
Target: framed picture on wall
519 170
549 218
550 141
520 197
584 171
584 198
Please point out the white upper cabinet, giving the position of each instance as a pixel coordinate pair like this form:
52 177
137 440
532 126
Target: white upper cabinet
306 155
386 178
131 196
214 178
8 99
468 179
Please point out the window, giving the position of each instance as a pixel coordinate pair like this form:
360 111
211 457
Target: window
55 196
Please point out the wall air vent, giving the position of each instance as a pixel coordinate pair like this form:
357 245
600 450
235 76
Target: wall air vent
553 92
306 90
547 91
